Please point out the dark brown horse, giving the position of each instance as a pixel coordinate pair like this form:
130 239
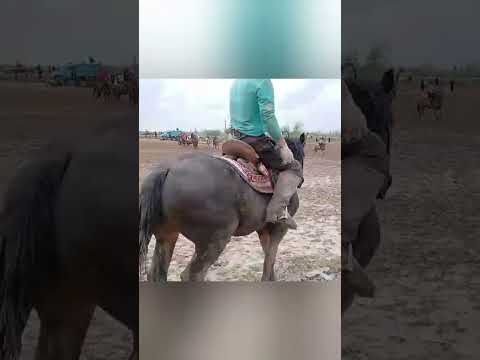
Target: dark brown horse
68 233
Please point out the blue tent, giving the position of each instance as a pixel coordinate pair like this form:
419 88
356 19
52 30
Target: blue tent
171 134
73 72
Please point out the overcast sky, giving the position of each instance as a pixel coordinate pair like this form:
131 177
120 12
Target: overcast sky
203 103
57 31
418 32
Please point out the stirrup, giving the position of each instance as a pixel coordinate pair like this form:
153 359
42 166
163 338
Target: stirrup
287 219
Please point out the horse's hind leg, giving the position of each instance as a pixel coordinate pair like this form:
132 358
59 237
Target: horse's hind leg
270 238
164 246
206 253
63 331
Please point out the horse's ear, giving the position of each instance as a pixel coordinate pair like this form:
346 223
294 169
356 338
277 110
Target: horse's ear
388 81
302 138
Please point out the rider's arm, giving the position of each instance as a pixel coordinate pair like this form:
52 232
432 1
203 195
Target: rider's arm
266 105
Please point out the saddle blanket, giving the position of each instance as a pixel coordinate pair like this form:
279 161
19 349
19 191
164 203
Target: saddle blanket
258 181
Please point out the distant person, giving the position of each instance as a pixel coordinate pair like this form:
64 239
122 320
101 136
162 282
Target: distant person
422 85
452 85
329 139
252 114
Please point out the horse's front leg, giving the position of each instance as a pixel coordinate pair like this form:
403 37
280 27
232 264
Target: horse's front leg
270 237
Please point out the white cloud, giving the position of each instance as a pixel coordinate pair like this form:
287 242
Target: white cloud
203 103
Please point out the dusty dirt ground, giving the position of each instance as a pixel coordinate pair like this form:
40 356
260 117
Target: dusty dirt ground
429 240
312 252
30 115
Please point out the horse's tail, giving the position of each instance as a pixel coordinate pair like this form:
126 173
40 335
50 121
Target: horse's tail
150 209
26 227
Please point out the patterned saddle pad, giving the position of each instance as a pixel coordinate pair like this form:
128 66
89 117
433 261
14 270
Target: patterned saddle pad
258 181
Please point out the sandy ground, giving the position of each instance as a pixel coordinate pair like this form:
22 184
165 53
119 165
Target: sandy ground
310 253
31 114
427 305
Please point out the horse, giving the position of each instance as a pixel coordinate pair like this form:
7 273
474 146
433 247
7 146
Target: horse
102 88
320 146
215 142
120 89
183 139
430 99
68 231
203 198
375 101
194 140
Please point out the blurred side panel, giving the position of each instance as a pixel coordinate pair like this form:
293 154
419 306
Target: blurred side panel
240 39
240 321
68 179
426 265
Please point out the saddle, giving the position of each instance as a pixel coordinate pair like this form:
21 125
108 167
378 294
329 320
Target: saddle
245 161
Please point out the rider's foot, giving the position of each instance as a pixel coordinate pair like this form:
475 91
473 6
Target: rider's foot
289 222
284 218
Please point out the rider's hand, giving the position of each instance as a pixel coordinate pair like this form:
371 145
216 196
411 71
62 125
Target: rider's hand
285 152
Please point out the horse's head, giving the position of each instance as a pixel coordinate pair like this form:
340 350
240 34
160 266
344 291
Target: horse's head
375 99
297 147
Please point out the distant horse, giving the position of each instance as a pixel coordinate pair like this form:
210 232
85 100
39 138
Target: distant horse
183 139
203 198
194 140
102 89
321 146
68 232
97 90
430 99
119 89
215 142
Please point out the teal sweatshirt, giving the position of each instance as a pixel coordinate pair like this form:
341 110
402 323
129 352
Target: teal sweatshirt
252 108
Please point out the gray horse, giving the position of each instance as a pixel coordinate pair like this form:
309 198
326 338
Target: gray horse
204 199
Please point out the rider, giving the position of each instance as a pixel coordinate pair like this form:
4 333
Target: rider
364 171
252 114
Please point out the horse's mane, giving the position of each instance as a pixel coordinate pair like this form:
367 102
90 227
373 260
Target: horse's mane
296 149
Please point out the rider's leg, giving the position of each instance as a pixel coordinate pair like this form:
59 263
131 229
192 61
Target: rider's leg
361 182
285 187
289 178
